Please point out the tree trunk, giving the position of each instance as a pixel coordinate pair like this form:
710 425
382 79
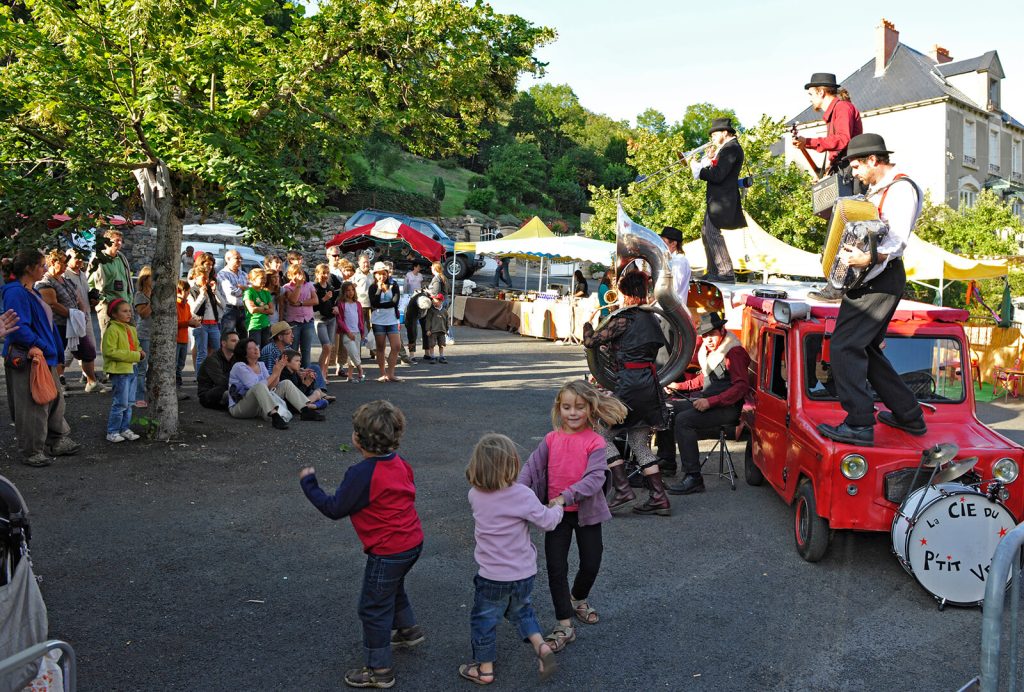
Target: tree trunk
166 271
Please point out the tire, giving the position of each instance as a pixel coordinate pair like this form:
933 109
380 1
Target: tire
810 531
751 473
460 266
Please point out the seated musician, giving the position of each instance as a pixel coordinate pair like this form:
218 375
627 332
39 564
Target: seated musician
633 335
865 312
722 385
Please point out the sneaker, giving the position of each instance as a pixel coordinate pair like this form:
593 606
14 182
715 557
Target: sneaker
407 637
65 447
129 435
320 404
95 386
412 361
38 460
115 437
368 677
442 359
429 359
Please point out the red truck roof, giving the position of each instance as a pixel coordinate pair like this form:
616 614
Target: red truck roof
906 311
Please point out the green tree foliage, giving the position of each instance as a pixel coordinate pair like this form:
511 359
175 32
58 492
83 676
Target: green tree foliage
780 200
438 189
652 121
382 155
517 172
696 122
226 104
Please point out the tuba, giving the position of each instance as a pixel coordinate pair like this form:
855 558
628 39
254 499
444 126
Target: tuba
637 242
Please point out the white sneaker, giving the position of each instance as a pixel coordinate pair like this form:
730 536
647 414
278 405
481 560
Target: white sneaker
129 435
115 437
96 387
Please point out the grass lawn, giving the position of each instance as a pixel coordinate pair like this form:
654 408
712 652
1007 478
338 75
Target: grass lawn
417 175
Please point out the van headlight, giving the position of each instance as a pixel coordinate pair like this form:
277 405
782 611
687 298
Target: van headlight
1005 470
855 466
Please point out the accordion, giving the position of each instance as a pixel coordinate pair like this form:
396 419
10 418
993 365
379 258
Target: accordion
854 222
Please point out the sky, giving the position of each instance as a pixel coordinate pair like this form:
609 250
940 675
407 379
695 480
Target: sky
621 58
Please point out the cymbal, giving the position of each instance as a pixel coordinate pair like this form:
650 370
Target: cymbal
939 454
952 470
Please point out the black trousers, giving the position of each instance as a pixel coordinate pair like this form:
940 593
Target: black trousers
692 425
718 261
215 398
556 553
864 316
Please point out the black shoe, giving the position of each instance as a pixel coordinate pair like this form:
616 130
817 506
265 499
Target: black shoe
826 295
278 422
914 427
311 414
407 637
849 434
727 279
668 468
692 483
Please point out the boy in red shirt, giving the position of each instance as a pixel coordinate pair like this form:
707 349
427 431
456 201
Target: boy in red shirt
379 495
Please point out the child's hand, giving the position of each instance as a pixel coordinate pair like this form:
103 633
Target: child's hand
307 471
557 502
142 355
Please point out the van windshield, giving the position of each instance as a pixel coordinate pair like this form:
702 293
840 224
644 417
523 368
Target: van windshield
930 366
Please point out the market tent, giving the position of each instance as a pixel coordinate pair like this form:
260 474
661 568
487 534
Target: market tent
389 230
534 228
567 248
926 261
753 249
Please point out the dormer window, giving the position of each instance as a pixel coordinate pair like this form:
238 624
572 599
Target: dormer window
993 94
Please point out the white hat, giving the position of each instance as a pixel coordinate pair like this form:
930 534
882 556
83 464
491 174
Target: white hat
380 267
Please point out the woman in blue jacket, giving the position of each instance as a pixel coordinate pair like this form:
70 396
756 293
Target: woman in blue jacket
41 430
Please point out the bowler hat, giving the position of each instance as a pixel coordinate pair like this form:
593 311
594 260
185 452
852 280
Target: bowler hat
719 124
865 145
670 233
822 79
279 327
709 322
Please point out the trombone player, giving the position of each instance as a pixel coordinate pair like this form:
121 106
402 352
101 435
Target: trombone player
721 171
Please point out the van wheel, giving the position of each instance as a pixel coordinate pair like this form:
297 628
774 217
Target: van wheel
750 471
810 530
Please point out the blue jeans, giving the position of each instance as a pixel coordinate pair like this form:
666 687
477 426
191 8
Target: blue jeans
233 319
140 371
319 382
207 337
180 356
305 334
122 391
383 605
494 600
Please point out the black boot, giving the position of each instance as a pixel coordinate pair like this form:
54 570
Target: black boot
623 494
657 500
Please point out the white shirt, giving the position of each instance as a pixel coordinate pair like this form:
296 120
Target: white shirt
680 275
362 282
899 207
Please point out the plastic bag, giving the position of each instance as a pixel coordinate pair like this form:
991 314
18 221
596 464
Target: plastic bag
50 677
44 389
282 406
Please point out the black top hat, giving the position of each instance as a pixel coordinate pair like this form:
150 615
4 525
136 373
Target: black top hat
710 322
719 124
866 145
822 79
670 233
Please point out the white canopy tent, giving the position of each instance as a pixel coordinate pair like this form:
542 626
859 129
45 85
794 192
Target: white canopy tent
572 248
753 249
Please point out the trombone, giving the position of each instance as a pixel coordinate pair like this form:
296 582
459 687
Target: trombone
666 172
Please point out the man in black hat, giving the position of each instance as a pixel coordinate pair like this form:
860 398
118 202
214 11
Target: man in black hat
724 210
842 119
865 311
723 383
678 263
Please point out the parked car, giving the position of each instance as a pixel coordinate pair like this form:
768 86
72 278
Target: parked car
463 264
228 237
832 485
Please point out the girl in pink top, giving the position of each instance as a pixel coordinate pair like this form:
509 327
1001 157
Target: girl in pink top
568 468
503 511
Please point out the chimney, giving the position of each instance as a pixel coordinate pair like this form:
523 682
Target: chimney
939 54
886 40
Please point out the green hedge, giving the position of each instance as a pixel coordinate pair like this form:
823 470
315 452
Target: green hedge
385 198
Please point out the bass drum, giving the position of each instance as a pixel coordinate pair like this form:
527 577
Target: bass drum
945 535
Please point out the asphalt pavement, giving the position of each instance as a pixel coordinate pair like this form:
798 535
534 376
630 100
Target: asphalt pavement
199 565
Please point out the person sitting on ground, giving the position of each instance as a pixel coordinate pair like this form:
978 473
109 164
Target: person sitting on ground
281 339
303 379
250 387
437 323
214 373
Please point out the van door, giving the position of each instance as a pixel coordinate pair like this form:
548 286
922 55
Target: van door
771 416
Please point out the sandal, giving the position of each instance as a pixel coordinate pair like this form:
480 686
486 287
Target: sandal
584 613
560 637
472 672
548 665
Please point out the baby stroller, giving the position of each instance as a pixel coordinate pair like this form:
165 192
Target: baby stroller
23 637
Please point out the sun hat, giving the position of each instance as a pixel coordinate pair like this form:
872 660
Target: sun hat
380 267
279 327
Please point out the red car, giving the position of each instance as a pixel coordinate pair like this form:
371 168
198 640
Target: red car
837 486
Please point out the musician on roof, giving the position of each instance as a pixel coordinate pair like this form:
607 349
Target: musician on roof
866 310
842 120
721 171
